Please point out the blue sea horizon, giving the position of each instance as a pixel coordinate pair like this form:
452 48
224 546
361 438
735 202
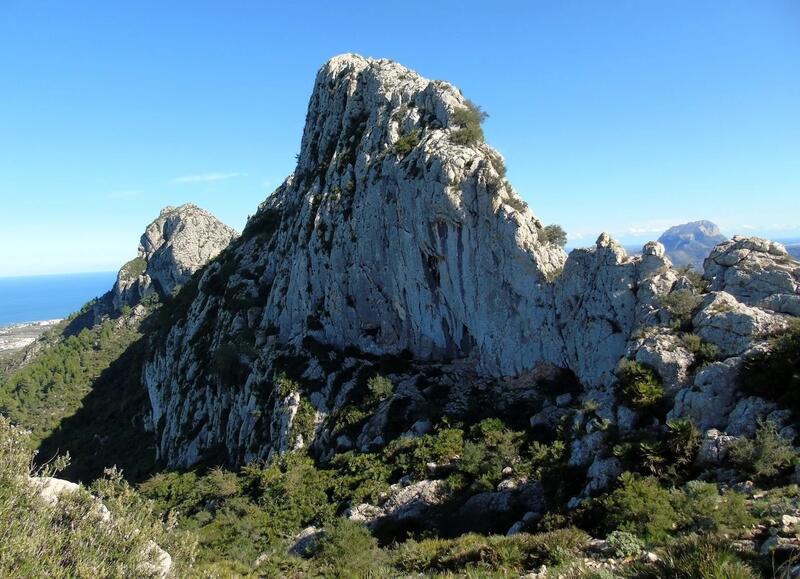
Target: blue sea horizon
48 297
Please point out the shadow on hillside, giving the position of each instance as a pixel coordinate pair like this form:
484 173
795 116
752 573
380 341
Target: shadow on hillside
108 428
90 315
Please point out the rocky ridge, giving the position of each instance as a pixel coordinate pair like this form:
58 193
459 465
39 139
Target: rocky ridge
397 249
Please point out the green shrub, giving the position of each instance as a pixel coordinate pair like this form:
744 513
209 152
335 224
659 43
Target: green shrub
72 538
406 143
703 508
469 120
640 385
472 552
492 448
133 269
173 490
263 224
220 484
347 549
693 557
380 387
516 203
623 544
642 507
360 477
411 455
694 276
775 375
764 456
680 305
704 352
304 423
555 235
683 440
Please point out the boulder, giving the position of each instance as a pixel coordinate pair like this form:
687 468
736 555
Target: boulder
733 326
712 397
714 448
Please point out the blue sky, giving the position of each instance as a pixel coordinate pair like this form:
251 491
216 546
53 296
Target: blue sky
624 116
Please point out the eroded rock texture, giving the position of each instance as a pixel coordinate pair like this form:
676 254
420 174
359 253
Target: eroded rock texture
393 240
174 246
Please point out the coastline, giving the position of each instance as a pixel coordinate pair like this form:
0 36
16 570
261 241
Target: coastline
16 336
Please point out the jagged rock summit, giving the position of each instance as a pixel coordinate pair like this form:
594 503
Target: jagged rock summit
690 243
397 237
174 246
178 243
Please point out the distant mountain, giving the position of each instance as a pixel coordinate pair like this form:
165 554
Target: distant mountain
691 243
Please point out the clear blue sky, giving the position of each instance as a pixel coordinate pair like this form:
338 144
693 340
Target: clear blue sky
625 116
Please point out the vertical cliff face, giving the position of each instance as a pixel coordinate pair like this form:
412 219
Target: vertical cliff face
396 235
386 247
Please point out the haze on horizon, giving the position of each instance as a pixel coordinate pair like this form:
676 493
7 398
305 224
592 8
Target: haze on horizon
623 117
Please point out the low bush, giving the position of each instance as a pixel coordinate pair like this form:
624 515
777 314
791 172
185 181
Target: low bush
406 143
642 507
347 549
73 537
555 235
623 544
380 387
683 440
489 553
680 305
697 557
764 456
412 455
704 352
468 119
703 508
775 374
640 385
694 276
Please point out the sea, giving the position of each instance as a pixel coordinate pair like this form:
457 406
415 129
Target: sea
49 297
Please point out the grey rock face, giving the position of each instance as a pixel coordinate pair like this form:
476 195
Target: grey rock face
714 447
733 326
690 243
756 272
664 352
174 246
407 503
392 238
712 397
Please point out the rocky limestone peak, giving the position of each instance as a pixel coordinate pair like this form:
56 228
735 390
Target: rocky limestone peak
175 245
397 236
690 243
389 226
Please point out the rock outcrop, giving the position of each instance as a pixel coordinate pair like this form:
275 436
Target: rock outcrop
174 246
690 243
155 561
397 239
